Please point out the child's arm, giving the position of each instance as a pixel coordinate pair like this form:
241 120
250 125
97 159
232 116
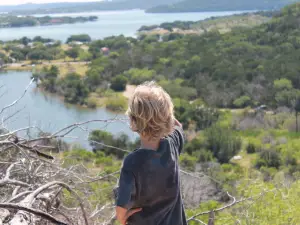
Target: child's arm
178 136
124 194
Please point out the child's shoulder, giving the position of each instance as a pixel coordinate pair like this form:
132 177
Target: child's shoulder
138 156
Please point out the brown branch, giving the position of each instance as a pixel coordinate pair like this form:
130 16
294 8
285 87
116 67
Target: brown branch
33 211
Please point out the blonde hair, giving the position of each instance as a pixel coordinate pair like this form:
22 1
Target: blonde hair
151 111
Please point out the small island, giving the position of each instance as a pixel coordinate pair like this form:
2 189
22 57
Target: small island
8 21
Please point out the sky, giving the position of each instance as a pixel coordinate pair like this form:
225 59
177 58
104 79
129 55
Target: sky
17 2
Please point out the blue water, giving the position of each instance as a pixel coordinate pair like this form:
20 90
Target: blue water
49 113
109 23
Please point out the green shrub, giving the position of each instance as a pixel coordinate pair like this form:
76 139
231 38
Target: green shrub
91 102
242 102
118 83
222 142
252 148
204 155
268 158
188 162
116 103
106 161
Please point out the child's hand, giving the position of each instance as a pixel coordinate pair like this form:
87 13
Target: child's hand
124 214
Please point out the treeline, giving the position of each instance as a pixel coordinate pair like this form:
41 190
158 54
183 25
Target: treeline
39 48
219 5
29 21
187 25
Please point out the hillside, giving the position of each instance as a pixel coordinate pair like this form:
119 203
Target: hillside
219 5
220 24
83 6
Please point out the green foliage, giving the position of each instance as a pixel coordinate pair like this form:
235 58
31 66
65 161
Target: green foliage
18 55
74 89
188 161
47 77
176 90
220 5
91 102
73 52
80 37
192 113
102 141
139 76
242 102
118 83
116 103
252 148
282 84
268 158
223 143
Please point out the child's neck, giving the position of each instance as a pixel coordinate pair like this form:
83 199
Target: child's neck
150 144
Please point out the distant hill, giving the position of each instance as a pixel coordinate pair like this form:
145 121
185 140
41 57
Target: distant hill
219 5
65 7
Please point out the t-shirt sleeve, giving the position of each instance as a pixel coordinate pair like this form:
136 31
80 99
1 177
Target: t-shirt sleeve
126 188
178 138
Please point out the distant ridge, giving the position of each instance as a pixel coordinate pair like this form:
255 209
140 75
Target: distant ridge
65 7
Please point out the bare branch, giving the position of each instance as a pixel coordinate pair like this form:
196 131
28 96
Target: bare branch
16 101
33 211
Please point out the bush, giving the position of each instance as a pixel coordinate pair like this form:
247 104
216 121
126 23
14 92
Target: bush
268 158
252 148
116 103
204 155
223 143
118 83
106 161
188 162
91 103
242 102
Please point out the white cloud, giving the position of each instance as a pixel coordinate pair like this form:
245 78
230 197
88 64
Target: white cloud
17 2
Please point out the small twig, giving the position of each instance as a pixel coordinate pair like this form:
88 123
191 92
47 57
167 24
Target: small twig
15 102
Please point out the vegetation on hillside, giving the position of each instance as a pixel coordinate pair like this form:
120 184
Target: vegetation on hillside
221 24
218 5
30 21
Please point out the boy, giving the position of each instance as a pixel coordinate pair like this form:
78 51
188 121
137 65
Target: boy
149 187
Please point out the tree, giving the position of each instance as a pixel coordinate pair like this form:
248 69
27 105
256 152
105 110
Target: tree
18 55
223 143
242 102
138 76
118 83
73 52
297 110
39 54
25 40
101 140
81 38
74 89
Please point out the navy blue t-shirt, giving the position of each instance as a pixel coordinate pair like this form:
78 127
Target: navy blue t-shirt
150 180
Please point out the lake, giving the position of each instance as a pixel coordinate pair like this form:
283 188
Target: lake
109 23
50 113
